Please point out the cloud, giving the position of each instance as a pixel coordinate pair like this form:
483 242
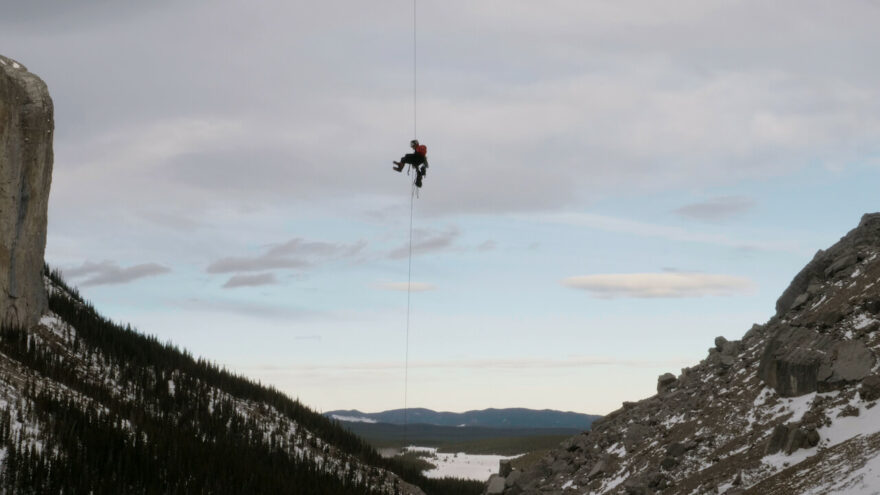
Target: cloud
256 280
110 273
294 254
488 245
660 285
403 286
569 103
427 241
644 229
255 264
716 209
248 308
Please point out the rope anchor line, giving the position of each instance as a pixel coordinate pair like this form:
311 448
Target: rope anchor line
413 194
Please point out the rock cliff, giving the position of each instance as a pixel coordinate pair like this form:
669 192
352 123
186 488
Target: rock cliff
26 127
788 409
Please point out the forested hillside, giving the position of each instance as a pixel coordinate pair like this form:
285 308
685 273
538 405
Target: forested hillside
89 406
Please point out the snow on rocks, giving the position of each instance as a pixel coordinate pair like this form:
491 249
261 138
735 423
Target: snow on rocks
791 408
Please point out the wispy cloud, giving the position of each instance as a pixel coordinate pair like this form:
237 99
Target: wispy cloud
256 280
247 308
403 286
488 245
110 273
293 254
716 209
427 241
660 285
644 229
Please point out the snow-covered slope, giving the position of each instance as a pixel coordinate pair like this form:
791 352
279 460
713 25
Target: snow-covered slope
93 407
789 409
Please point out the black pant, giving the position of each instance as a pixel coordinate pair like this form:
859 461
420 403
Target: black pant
419 162
414 159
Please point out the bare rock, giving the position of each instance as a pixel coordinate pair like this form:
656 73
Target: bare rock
668 463
495 485
665 382
635 435
870 388
791 360
853 361
733 348
841 263
504 467
795 294
676 449
26 127
791 437
600 468
512 478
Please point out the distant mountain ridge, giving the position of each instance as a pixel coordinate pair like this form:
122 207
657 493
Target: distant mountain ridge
486 418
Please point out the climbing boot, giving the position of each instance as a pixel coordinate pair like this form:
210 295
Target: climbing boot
397 166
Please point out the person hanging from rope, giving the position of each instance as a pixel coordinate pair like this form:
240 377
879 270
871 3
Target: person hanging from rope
418 159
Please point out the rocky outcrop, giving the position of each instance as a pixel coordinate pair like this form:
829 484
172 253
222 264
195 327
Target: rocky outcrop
26 127
798 394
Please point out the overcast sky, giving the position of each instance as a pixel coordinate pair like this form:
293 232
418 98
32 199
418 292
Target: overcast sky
612 184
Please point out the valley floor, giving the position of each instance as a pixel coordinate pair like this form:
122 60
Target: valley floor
461 465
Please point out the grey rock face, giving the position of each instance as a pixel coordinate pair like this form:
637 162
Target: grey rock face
719 414
26 127
870 389
853 361
791 361
635 435
789 438
504 468
799 361
665 382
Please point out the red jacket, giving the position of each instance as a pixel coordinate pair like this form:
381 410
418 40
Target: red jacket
422 150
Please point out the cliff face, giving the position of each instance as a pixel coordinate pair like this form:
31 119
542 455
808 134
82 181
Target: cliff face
26 126
790 408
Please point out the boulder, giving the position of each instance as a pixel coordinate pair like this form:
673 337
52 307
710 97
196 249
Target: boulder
791 360
733 348
495 486
839 264
504 467
635 435
870 388
852 361
668 463
776 442
726 361
512 478
791 437
676 449
795 294
665 382
599 468
26 127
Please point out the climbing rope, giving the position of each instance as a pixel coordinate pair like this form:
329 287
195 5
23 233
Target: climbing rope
412 196
415 76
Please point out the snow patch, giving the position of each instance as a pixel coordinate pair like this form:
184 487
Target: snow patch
353 419
461 465
862 321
